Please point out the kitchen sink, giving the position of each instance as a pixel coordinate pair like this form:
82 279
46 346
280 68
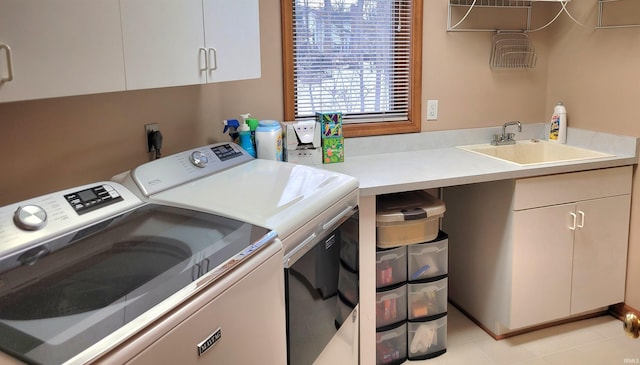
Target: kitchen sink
525 153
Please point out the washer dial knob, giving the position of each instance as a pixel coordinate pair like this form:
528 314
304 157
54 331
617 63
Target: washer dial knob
30 217
198 159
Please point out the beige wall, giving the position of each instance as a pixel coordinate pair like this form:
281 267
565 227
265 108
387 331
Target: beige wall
47 145
595 72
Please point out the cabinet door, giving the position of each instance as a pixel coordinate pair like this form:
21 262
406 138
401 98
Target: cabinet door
600 253
162 43
232 34
541 265
60 48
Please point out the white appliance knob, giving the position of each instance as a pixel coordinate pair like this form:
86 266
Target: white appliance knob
198 159
30 217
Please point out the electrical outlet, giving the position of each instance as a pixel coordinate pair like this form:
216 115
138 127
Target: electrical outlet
148 128
432 109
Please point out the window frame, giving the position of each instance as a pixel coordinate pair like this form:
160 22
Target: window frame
411 125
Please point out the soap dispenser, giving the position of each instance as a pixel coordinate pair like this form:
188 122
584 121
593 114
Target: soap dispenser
245 139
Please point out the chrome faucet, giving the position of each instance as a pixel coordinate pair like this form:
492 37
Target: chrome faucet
506 138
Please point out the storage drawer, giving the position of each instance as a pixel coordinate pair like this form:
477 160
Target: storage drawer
407 218
427 339
427 298
548 190
427 260
391 345
391 266
391 306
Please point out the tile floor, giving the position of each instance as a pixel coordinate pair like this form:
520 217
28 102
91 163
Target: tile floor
595 341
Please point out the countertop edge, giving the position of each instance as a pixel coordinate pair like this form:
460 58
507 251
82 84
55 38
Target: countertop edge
442 166
494 176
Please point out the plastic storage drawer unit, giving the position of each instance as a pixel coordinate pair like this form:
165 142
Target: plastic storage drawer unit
391 266
391 345
427 298
427 260
407 218
428 339
391 306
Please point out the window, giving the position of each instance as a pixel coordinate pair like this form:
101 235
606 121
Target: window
358 57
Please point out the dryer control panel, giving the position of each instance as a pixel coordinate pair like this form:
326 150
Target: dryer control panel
171 171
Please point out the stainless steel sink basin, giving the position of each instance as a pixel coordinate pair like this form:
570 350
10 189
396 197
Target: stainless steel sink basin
534 151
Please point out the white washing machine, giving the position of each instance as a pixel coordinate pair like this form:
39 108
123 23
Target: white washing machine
94 273
314 213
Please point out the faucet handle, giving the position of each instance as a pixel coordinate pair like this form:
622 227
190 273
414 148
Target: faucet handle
511 136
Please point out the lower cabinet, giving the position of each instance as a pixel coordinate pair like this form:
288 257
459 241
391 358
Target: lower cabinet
529 251
568 259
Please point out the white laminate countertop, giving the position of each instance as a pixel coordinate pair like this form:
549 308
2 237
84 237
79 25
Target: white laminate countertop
390 164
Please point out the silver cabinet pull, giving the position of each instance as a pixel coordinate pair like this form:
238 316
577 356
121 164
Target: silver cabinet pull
574 216
213 59
9 65
581 224
202 55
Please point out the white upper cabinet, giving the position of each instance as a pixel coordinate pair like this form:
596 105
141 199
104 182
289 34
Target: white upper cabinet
72 47
171 43
162 42
59 48
232 35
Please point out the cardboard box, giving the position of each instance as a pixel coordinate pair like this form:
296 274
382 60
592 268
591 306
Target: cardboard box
333 150
331 124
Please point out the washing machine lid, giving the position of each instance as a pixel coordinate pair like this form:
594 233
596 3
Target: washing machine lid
105 276
277 195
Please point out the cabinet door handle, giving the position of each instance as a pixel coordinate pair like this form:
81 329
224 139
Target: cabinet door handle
581 224
9 66
573 226
213 60
202 56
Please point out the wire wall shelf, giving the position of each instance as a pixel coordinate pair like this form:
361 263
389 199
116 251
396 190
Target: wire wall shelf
601 8
492 3
512 51
469 5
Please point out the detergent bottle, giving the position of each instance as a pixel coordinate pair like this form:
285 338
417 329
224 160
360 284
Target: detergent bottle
558 127
245 139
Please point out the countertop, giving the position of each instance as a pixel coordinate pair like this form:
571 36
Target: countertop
389 164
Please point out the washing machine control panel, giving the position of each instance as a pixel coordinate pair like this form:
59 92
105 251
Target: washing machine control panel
32 228
95 197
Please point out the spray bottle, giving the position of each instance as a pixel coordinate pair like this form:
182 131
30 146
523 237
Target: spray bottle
232 126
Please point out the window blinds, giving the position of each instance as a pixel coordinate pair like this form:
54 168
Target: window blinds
354 57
